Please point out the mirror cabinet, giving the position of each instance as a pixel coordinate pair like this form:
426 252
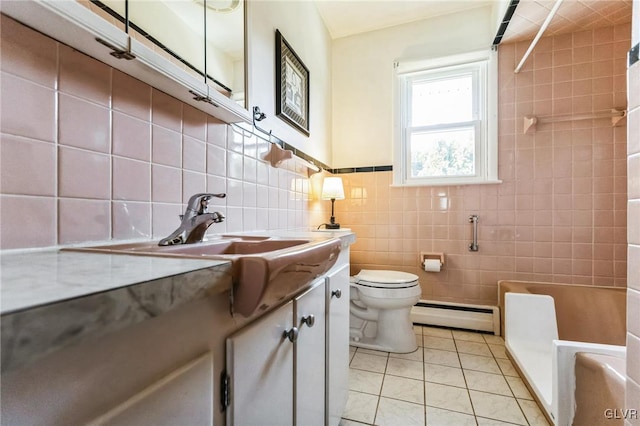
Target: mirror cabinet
193 50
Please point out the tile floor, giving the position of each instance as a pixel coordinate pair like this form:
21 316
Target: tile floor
455 378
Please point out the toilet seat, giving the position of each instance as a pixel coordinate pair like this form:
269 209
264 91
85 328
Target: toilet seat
385 279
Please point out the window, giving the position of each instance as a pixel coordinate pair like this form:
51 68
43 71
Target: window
446 121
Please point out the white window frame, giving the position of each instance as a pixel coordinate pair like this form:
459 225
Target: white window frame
484 65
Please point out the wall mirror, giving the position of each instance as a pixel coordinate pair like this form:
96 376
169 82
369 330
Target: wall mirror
206 38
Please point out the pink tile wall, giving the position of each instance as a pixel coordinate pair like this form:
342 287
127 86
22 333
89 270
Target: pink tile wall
560 214
88 153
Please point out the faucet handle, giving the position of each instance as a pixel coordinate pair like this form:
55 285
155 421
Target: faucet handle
198 202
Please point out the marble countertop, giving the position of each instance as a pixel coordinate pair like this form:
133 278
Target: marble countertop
31 279
51 298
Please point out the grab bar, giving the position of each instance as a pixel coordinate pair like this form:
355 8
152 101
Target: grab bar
474 244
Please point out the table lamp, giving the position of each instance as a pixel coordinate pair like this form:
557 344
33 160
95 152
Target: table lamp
333 190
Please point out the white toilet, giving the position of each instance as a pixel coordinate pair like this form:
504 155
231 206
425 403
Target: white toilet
380 310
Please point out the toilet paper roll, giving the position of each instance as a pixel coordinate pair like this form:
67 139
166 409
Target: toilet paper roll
432 265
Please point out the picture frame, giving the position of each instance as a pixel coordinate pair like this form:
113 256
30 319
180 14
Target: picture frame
292 86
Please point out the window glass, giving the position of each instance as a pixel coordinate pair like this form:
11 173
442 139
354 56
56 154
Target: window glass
443 100
447 132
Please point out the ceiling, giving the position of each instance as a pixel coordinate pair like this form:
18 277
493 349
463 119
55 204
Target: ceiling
573 15
348 17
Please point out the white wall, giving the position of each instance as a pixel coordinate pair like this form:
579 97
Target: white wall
302 27
363 76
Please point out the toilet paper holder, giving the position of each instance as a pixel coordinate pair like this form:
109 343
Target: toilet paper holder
429 256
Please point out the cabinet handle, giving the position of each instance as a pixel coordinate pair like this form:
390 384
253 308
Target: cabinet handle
292 334
309 320
337 293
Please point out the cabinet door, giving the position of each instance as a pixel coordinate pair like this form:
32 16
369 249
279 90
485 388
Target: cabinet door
337 357
260 366
310 363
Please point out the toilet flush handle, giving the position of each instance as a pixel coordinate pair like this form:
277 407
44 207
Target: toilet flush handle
337 293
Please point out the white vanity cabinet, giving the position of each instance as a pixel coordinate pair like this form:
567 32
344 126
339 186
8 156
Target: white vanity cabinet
276 365
290 367
337 350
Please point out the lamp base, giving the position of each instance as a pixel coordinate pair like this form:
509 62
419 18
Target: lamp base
332 225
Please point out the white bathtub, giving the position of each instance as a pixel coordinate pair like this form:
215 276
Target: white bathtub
546 359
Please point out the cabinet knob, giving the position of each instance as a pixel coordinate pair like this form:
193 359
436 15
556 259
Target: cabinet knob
337 293
292 334
309 320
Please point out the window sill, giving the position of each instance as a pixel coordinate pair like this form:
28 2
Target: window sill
447 182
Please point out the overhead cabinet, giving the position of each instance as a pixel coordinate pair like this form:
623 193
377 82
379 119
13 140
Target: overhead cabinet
192 50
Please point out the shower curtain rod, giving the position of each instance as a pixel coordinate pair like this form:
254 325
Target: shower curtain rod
542 29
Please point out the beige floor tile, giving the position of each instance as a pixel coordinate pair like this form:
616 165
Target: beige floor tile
392 412
492 339
518 388
365 381
439 417
439 343
368 362
497 407
468 336
491 422
444 375
361 407
372 352
345 422
437 356
448 397
414 356
487 382
498 351
405 368
479 363
437 332
507 368
352 352
473 348
409 390
532 412
417 329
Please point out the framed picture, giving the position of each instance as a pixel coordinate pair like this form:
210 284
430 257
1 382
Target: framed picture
292 86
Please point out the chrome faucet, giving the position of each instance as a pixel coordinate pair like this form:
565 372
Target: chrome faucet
195 221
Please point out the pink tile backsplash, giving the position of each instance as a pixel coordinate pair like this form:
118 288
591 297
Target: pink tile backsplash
166 111
166 147
28 109
39 231
194 155
131 96
28 54
108 163
131 220
131 180
167 184
84 124
131 137
83 220
83 174
27 167
83 76
194 122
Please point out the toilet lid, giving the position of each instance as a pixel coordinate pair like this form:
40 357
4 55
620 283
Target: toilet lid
385 279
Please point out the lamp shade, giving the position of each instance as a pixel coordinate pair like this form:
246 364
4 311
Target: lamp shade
332 188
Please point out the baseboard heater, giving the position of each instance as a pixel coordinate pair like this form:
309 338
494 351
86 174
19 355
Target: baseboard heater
457 315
